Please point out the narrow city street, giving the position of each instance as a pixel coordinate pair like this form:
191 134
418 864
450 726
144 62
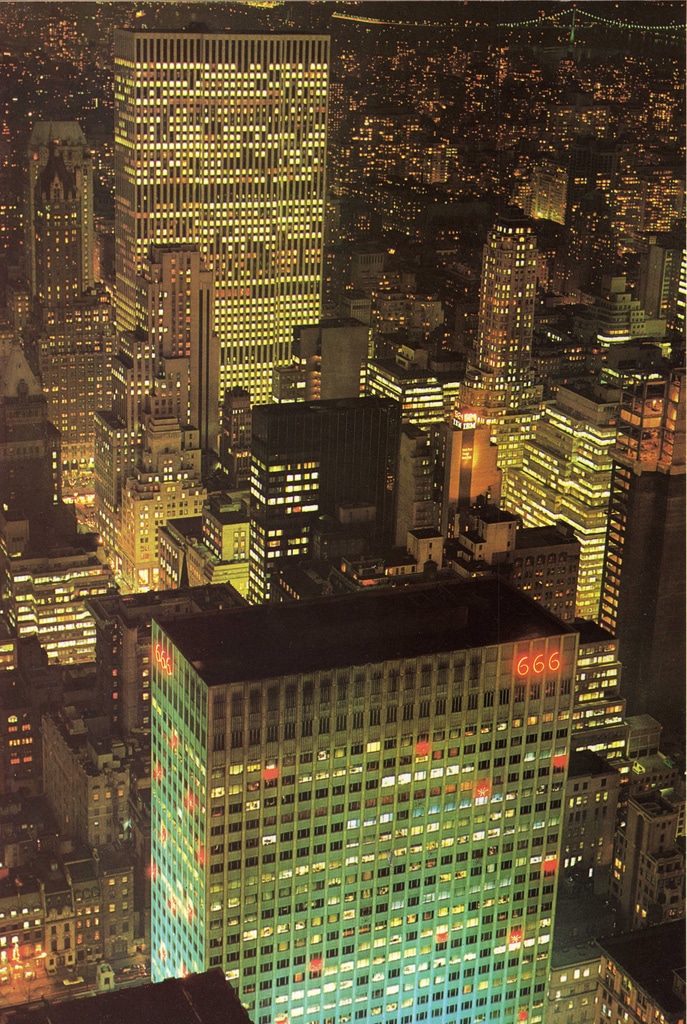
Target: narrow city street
23 991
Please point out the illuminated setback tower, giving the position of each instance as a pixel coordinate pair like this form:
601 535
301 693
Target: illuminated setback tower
507 294
501 387
220 142
363 822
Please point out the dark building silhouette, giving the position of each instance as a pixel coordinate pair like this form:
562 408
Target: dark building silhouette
643 590
29 443
71 331
235 436
311 459
196 999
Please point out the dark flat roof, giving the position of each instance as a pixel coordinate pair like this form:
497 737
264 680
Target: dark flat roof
273 640
533 537
591 633
586 762
649 957
198 999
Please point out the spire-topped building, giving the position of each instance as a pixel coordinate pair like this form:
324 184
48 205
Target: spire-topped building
71 321
60 170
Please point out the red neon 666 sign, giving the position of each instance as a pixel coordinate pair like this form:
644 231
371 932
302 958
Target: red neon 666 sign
526 666
163 659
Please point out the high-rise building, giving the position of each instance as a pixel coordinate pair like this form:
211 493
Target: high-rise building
507 294
176 311
415 505
72 328
235 437
593 164
30 445
500 389
173 352
598 716
659 277
44 583
465 468
566 475
549 184
643 592
166 484
641 975
220 142
310 459
60 167
363 815
648 879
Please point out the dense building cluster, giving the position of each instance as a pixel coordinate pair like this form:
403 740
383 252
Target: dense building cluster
342 512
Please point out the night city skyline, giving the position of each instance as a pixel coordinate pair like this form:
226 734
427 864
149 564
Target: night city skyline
342 512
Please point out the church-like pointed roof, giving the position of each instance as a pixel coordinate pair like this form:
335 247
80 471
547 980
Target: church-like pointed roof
56 169
16 376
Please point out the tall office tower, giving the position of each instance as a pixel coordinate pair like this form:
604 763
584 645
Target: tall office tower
500 390
118 434
466 469
392 765
598 718
58 156
590 249
166 485
566 475
312 459
549 184
659 277
594 164
174 350
415 505
176 312
71 323
235 437
220 142
643 595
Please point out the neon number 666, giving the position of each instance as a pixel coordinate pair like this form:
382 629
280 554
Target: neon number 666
538 665
163 659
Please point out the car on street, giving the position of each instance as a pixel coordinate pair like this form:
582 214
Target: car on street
73 981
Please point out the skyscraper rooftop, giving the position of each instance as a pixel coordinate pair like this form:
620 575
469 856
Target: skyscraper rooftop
257 642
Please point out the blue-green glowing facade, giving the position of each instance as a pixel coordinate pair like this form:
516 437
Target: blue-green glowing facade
357 804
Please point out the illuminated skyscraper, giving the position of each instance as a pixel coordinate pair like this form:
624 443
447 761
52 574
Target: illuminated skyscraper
566 474
220 142
356 802
500 388
174 350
